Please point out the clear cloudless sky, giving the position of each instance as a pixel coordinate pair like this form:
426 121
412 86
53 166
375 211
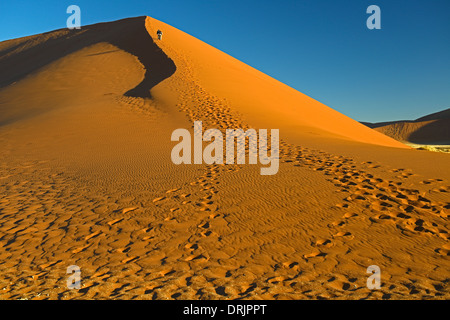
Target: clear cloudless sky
319 47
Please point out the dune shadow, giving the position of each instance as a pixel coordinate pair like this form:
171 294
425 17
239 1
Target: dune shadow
27 55
436 132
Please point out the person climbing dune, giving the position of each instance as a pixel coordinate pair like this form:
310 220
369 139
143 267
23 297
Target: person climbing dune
159 33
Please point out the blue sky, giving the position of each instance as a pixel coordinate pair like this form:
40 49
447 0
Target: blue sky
319 47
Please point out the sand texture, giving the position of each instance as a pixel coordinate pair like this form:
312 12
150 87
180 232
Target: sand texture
86 179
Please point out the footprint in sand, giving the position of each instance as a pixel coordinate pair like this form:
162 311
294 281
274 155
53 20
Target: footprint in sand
93 235
338 284
126 210
382 218
314 255
324 243
50 264
430 181
130 259
289 264
158 199
276 280
170 219
204 225
192 246
197 258
166 272
206 233
80 249
113 222
349 215
40 275
444 250
123 250
205 205
343 234
444 234
337 224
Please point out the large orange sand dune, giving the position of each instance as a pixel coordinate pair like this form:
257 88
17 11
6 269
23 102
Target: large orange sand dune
86 179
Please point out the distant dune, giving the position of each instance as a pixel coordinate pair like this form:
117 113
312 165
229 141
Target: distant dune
430 129
86 179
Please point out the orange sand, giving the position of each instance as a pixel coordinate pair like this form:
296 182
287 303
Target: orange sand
86 179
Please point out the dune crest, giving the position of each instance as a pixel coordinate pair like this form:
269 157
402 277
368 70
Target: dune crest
260 99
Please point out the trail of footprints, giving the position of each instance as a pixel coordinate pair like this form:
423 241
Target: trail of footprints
196 203
383 201
198 104
193 208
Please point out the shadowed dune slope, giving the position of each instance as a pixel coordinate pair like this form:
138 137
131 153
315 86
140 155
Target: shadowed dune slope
444 114
430 129
422 132
22 57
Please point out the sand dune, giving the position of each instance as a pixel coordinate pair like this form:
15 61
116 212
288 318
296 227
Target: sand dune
86 179
444 114
430 129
